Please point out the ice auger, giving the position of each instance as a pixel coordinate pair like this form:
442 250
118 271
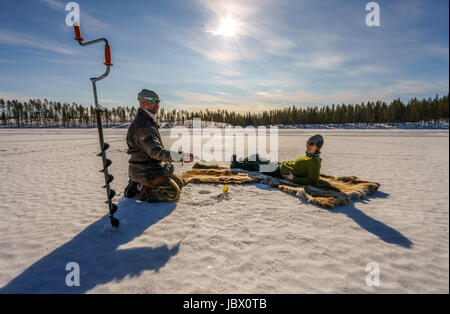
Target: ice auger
103 145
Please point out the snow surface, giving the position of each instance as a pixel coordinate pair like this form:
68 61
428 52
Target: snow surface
260 240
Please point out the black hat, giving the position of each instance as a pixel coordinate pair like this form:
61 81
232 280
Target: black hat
317 140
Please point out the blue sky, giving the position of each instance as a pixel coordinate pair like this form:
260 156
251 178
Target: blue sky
283 52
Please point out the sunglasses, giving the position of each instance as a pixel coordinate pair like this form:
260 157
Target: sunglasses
153 100
310 144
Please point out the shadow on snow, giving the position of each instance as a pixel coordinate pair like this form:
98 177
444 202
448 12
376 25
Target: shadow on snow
96 250
379 229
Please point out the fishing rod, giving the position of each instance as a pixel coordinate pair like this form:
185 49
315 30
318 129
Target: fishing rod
192 156
103 145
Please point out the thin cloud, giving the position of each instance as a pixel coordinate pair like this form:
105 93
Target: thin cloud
277 98
56 5
439 50
67 61
85 18
254 107
320 62
19 39
109 101
12 96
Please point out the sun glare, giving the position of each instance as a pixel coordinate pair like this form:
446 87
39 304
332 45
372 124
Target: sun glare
227 28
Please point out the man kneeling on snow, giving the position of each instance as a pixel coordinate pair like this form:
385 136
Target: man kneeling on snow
147 153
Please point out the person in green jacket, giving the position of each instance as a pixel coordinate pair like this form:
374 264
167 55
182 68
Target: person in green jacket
304 170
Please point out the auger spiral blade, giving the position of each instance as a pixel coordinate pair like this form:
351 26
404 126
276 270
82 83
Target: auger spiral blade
110 178
108 163
113 209
112 193
105 147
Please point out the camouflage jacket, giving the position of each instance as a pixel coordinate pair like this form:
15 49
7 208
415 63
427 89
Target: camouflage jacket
146 149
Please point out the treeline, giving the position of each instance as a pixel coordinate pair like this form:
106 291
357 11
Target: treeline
37 113
371 112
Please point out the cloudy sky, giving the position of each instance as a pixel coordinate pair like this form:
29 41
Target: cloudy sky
241 55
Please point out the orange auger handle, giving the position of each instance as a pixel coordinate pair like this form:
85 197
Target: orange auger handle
107 55
77 32
80 39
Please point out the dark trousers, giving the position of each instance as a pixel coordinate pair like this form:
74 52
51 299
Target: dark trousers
275 174
254 165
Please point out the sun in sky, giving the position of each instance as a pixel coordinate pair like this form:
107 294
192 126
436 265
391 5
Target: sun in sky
227 27
226 41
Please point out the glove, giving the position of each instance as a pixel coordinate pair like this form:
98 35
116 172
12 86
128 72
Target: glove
168 169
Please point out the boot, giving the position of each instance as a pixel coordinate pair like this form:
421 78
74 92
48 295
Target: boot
131 190
234 163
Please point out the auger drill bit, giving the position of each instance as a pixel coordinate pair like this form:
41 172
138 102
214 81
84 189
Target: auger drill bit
103 146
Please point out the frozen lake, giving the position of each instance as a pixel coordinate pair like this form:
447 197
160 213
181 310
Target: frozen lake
259 241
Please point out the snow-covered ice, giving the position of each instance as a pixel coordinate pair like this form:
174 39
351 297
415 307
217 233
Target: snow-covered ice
260 240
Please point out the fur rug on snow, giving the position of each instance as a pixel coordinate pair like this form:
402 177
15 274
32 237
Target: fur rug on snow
201 174
329 193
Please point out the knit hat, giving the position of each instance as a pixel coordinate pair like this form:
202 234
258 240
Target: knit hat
317 140
146 93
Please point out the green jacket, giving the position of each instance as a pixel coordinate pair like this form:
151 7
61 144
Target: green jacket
306 170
